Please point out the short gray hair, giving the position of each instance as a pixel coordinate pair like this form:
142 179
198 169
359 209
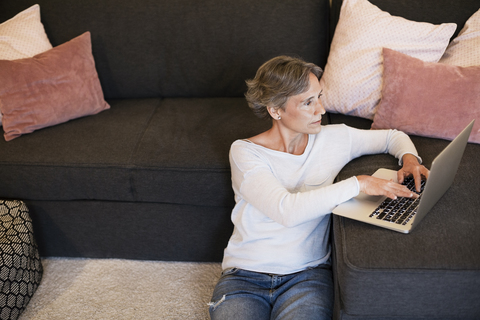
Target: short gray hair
277 80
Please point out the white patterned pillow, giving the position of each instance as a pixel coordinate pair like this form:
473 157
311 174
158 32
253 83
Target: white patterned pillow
23 36
352 79
464 50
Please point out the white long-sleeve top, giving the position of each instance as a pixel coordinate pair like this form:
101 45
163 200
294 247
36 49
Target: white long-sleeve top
283 201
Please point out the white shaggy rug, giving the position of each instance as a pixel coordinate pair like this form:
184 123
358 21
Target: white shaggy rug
122 289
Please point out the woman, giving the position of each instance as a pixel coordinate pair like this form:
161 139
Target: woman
277 262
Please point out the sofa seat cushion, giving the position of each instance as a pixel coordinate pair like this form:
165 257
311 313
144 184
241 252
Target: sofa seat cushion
432 272
183 155
153 150
86 158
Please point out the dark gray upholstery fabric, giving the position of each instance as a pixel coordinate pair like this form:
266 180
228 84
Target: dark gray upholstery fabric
428 273
351 121
87 158
183 155
205 128
184 48
148 231
107 138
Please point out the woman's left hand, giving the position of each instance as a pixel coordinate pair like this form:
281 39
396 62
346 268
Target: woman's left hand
411 167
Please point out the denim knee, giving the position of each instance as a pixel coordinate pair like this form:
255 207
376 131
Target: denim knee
241 294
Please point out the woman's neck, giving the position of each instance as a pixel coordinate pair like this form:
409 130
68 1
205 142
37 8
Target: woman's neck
280 139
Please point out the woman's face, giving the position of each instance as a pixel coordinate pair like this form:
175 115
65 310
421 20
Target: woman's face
303 112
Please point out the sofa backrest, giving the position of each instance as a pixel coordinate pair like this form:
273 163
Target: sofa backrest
433 11
188 48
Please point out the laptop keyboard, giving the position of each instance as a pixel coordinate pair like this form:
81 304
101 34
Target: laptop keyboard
401 210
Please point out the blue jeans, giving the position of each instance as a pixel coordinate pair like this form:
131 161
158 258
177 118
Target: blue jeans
241 294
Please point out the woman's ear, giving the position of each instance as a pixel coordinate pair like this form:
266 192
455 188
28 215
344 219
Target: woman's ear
274 113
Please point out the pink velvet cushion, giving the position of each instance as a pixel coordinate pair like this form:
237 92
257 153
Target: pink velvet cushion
50 88
428 99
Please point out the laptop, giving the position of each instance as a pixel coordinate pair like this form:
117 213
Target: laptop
404 214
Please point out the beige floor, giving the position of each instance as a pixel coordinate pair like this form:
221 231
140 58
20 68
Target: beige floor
122 289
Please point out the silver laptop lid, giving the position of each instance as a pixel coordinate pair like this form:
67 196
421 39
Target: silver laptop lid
442 172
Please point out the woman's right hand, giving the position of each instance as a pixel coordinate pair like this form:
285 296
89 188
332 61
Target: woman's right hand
381 187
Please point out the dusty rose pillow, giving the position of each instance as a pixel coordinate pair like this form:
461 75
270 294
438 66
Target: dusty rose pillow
428 99
50 88
23 36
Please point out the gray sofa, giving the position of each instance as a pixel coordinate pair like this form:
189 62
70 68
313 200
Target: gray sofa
149 178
